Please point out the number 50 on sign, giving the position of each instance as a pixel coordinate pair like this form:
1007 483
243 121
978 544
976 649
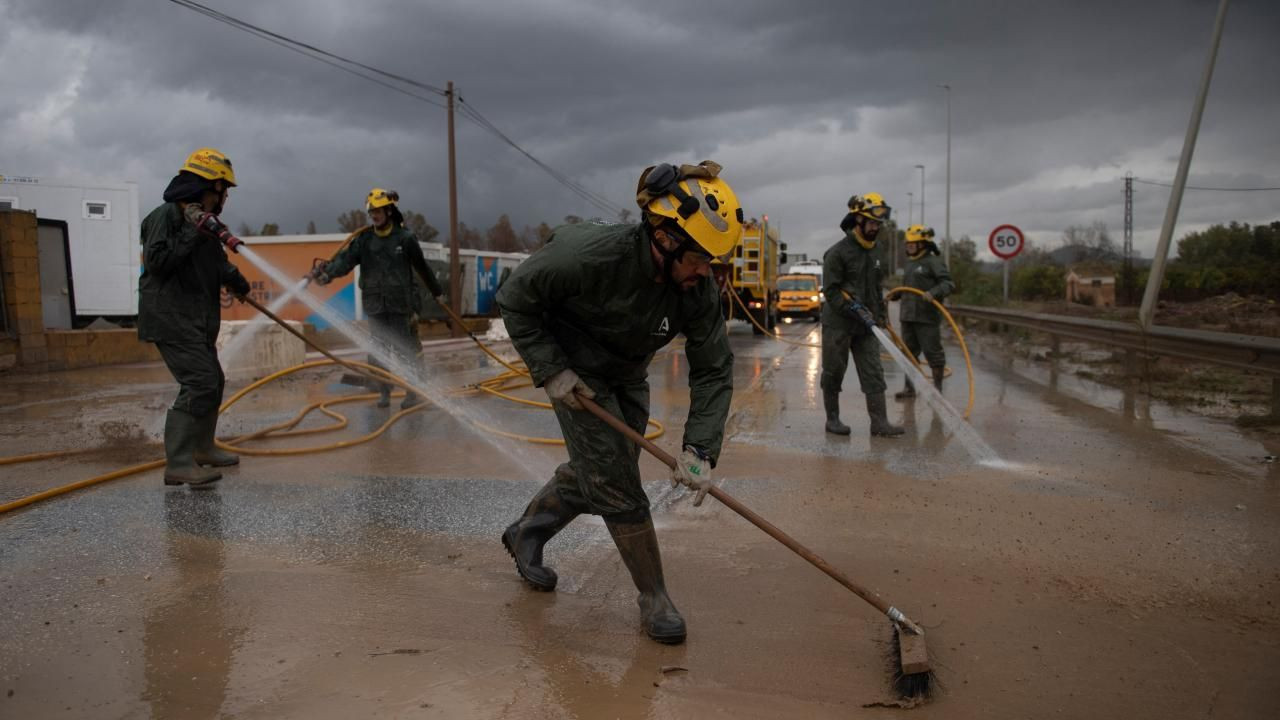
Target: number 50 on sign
1006 241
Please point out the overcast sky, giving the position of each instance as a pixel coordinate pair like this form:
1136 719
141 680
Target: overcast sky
803 103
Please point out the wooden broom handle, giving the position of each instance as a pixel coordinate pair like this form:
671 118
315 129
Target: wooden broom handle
733 504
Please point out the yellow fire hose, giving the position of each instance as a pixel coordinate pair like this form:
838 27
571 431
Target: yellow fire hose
964 348
516 377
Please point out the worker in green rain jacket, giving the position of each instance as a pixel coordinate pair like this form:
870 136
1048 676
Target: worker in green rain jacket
388 255
920 320
184 268
854 307
587 312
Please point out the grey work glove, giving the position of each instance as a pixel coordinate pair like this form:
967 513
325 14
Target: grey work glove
928 297
693 469
319 276
562 387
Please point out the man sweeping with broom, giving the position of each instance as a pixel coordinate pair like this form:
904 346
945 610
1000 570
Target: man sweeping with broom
587 312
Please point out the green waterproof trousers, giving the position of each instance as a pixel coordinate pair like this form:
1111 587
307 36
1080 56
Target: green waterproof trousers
604 477
926 338
837 345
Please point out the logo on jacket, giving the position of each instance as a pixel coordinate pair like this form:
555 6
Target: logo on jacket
664 327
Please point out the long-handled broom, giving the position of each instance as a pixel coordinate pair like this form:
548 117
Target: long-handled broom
912 677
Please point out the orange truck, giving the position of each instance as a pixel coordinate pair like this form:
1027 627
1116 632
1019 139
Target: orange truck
799 297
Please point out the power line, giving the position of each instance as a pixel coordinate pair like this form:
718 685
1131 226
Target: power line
297 45
334 60
474 115
1217 189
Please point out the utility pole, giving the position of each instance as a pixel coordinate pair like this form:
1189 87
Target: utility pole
455 265
1156 277
1128 239
921 169
946 239
911 208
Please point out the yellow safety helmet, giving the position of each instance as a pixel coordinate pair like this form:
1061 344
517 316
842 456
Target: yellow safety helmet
381 198
210 164
697 200
919 233
871 206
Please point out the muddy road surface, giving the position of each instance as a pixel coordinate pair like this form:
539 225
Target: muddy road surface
1120 561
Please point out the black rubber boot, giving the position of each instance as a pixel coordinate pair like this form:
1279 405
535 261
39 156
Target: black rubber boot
207 450
546 515
880 417
908 391
411 399
831 402
938 372
638 544
180 438
384 395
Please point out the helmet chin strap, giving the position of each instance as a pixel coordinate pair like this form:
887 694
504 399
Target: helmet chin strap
669 257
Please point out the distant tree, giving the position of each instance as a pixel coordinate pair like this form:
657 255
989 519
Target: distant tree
624 215
1038 282
352 220
974 285
502 237
1090 243
469 237
311 227
1234 257
269 229
544 232
528 239
572 219
244 229
417 224
1032 254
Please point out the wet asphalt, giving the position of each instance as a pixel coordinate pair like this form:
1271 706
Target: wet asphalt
251 598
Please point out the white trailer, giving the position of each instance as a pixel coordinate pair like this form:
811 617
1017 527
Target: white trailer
102 237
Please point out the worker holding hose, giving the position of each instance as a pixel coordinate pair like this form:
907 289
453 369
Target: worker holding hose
184 267
388 255
920 320
587 312
855 306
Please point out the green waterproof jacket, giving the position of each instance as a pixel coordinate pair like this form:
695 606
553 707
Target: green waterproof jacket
182 277
925 273
850 269
588 300
386 265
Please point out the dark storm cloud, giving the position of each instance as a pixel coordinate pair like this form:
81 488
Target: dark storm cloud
803 102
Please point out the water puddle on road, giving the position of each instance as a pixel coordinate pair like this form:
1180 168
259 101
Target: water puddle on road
952 420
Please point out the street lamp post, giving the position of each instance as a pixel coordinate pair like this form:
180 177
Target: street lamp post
921 169
946 239
911 208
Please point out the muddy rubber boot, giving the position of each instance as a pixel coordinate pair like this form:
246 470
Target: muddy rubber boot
384 395
638 544
546 515
207 450
938 372
880 417
907 392
831 401
180 431
411 399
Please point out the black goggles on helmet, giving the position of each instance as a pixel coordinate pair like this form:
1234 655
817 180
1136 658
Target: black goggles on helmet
877 212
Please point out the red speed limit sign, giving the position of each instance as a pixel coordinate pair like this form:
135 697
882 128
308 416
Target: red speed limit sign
1006 241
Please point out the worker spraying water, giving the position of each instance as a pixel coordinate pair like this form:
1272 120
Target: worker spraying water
855 307
184 268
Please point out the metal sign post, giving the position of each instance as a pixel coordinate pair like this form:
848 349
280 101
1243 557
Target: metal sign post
1005 242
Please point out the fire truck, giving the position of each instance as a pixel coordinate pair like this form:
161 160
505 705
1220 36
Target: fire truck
751 274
